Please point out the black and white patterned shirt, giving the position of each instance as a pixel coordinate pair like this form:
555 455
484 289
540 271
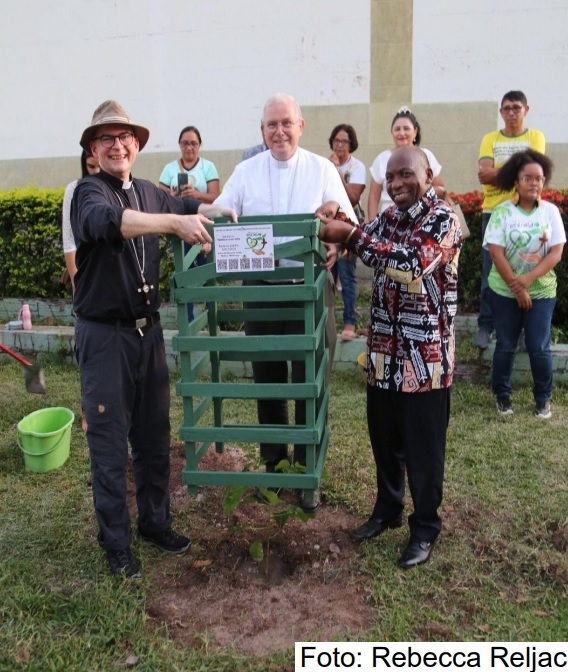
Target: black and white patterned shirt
414 300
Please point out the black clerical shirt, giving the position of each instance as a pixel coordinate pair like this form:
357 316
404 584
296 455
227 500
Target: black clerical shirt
110 270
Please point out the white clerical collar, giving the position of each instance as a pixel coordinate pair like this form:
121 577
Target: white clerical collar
126 184
283 165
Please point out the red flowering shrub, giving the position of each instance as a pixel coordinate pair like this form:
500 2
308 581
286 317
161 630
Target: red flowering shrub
470 202
558 197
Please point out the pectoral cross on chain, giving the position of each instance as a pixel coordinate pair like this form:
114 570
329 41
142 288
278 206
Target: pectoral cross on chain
145 289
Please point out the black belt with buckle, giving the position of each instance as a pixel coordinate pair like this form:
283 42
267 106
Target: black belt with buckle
141 324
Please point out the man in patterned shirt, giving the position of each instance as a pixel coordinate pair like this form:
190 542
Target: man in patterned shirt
413 247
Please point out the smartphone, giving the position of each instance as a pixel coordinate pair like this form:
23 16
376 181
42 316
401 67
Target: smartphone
182 181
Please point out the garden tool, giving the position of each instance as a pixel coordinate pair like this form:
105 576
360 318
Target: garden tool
33 373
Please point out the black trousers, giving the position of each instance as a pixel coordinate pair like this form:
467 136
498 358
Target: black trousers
275 411
126 398
408 432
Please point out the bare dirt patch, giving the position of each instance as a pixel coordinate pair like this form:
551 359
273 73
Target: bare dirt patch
216 595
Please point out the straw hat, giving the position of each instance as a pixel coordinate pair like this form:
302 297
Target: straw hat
112 112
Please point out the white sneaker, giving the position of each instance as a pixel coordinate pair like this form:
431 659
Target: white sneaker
542 410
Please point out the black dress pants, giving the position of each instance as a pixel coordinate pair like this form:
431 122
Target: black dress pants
408 432
275 411
126 398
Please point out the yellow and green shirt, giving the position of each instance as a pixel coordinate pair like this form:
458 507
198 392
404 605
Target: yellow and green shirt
499 148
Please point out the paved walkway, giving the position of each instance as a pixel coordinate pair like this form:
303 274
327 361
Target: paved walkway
59 341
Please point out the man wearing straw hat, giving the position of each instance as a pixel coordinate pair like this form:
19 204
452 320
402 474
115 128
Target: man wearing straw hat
116 221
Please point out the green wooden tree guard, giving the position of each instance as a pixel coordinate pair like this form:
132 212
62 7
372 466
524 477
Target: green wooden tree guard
203 348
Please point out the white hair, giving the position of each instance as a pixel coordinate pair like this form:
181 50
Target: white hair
285 98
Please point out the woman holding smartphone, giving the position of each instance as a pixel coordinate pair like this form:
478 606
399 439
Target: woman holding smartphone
201 179
193 177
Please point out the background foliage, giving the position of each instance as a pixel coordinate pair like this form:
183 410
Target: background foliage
31 247
30 243
32 255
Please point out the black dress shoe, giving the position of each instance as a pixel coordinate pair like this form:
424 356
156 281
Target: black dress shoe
416 553
373 527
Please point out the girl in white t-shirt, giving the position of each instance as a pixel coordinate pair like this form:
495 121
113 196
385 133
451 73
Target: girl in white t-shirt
525 238
405 130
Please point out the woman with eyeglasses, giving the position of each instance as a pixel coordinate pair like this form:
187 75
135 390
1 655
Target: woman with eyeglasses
343 142
525 238
202 181
405 131
202 176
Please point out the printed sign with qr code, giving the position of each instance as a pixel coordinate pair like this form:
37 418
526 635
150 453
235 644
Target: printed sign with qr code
244 248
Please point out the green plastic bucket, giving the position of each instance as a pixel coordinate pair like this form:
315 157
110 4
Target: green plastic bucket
44 437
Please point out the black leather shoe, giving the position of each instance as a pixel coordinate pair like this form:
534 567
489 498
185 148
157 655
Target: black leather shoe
373 527
416 553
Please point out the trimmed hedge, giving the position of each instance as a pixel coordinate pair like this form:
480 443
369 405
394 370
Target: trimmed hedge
30 243
31 248
32 255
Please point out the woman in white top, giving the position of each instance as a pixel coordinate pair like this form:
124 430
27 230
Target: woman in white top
405 130
343 141
89 166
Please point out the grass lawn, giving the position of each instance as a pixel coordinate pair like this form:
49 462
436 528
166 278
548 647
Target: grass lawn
499 573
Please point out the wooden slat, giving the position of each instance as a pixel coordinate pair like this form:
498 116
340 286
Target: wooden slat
197 349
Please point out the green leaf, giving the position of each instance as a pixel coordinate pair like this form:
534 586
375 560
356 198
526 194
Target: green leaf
283 466
256 551
269 496
291 511
280 518
233 498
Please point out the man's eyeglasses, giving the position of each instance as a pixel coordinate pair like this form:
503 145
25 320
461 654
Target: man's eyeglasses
272 126
512 108
186 144
107 141
529 179
339 141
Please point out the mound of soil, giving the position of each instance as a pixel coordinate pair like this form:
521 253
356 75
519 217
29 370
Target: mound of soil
305 588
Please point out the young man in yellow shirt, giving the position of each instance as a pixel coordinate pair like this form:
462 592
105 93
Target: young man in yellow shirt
496 148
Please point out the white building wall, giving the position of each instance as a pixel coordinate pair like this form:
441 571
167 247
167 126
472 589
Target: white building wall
210 63
213 63
478 50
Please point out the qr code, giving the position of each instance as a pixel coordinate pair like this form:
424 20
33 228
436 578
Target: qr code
245 264
222 264
256 264
268 263
233 264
